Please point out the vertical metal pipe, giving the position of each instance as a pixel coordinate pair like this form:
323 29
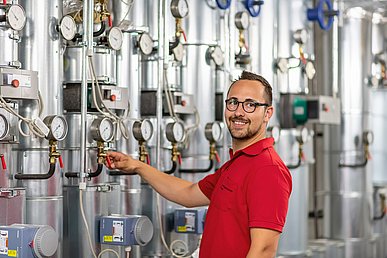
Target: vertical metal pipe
87 52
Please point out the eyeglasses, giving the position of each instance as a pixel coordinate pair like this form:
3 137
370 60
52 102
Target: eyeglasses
248 105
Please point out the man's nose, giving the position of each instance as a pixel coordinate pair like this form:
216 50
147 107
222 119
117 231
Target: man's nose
239 111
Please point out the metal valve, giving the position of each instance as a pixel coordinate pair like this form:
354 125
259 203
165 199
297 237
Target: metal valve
323 14
253 7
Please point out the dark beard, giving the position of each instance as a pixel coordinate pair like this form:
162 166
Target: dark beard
246 136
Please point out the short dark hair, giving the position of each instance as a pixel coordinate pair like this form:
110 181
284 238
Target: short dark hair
256 77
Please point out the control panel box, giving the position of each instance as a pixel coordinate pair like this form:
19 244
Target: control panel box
189 220
27 241
323 110
125 230
18 84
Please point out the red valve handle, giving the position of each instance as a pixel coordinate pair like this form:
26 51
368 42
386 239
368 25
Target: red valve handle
109 163
184 36
179 159
60 162
3 164
110 21
147 159
217 157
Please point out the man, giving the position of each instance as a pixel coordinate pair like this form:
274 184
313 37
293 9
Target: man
248 196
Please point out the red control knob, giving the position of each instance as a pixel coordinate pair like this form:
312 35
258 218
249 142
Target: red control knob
113 97
15 83
3 164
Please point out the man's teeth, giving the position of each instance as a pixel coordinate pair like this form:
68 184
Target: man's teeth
239 122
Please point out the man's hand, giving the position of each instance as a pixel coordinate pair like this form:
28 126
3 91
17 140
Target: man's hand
122 162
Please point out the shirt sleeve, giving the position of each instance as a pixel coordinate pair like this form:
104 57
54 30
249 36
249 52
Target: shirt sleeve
268 191
207 184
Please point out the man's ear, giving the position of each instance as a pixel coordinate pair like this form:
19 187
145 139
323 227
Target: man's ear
268 113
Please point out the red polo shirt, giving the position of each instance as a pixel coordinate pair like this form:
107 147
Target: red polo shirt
251 190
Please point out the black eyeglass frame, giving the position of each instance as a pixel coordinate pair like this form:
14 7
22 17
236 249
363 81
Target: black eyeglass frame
256 104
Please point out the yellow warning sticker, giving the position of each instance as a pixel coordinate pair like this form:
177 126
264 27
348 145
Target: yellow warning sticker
12 253
181 229
108 238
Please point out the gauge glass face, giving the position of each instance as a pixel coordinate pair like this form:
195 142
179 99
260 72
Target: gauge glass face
216 131
4 127
16 17
178 132
217 56
106 130
146 44
68 28
275 133
304 134
146 129
58 128
369 137
244 20
115 38
182 7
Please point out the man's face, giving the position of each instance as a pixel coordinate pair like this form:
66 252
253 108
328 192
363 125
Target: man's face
241 124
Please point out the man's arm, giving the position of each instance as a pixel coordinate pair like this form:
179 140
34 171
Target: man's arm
170 187
264 243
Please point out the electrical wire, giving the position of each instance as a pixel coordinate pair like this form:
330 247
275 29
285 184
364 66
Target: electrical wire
109 250
85 223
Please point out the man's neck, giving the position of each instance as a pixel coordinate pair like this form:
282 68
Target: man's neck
241 144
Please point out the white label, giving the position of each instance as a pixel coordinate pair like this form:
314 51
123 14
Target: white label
299 111
118 231
117 93
4 242
190 221
24 80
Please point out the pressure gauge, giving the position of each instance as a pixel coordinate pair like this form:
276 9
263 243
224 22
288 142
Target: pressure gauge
143 130
275 132
175 132
179 8
4 127
58 127
178 52
16 17
301 36
368 137
213 132
216 55
115 38
102 129
242 20
68 27
303 135
310 71
145 42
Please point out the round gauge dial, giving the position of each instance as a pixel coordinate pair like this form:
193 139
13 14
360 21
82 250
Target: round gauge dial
217 56
16 17
242 20
143 130
4 127
102 129
175 132
115 38
368 137
301 36
68 27
303 135
178 52
58 127
145 42
213 132
179 8
310 71
275 132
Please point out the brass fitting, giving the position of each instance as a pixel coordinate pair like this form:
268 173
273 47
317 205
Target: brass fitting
143 152
242 40
101 154
53 153
213 151
179 29
175 153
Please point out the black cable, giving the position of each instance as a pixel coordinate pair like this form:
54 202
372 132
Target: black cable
173 168
97 172
294 166
49 174
95 33
198 170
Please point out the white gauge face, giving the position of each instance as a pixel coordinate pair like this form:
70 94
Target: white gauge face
146 44
242 20
309 70
16 17
106 130
59 128
179 8
217 56
68 27
4 127
146 129
304 133
115 38
368 137
216 132
178 52
178 132
274 132
301 36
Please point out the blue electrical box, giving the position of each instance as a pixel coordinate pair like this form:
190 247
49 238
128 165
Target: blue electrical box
27 241
125 230
190 220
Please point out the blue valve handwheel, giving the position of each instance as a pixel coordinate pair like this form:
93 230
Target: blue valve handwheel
318 14
250 6
222 4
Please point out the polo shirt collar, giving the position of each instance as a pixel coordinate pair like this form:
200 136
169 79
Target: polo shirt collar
255 148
